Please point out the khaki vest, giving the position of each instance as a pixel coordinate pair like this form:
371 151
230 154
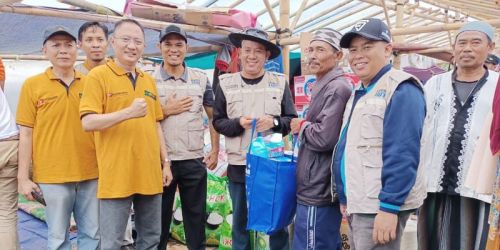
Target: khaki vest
363 151
184 132
256 100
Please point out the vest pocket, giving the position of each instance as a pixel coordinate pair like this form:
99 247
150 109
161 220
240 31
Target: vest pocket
197 98
234 105
371 159
372 123
195 139
273 103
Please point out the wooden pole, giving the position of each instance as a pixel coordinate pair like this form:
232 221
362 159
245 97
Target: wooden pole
151 24
285 24
438 28
271 14
399 24
265 10
386 14
339 18
299 13
322 13
311 4
236 3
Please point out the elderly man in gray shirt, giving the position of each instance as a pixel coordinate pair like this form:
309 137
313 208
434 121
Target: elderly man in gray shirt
318 217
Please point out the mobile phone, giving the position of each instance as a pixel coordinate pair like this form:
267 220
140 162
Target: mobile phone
38 197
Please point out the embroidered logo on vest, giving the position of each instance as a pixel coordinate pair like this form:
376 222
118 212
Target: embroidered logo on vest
195 81
273 85
380 93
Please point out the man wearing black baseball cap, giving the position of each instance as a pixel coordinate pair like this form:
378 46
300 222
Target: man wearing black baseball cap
377 156
492 62
184 93
253 93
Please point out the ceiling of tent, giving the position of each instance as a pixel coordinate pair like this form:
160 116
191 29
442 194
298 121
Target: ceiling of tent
336 14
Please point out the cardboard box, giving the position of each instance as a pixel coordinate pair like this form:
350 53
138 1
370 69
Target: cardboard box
173 15
302 88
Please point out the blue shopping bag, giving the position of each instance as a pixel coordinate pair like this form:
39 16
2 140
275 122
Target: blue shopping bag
271 191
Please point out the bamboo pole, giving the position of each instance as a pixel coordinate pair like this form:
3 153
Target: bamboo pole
236 3
7 2
393 7
151 24
311 4
99 9
322 13
438 28
31 57
265 10
271 14
342 17
399 24
299 13
466 8
352 23
386 13
285 24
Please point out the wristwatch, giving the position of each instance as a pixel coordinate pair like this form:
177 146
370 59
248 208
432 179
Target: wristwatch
276 122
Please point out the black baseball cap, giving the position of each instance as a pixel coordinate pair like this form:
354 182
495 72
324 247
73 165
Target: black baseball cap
371 29
56 30
493 59
173 29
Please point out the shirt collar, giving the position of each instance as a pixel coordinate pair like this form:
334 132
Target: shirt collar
119 70
165 76
50 73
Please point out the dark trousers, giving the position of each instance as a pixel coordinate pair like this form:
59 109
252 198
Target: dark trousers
240 235
191 178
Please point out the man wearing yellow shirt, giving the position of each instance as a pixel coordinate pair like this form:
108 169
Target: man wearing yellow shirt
120 103
52 138
93 40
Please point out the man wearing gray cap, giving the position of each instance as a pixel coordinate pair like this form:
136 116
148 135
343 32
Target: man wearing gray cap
184 93
492 62
455 216
241 98
52 139
375 162
318 134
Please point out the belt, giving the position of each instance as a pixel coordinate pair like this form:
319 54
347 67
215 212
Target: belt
12 138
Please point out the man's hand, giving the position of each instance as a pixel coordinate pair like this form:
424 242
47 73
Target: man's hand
246 122
167 174
384 227
138 108
174 106
265 123
26 186
295 125
211 159
343 211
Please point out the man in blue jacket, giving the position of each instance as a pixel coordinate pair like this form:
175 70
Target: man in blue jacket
375 163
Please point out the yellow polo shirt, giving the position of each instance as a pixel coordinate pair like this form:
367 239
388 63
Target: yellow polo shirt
128 153
62 151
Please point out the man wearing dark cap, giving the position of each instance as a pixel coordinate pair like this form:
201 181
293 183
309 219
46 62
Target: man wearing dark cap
375 163
492 62
458 104
52 138
184 93
318 134
240 98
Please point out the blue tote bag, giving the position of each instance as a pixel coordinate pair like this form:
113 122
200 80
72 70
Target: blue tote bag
271 191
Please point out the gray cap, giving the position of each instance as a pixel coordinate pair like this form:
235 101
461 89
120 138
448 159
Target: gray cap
480 26
371 29
329 36
57 30
173 29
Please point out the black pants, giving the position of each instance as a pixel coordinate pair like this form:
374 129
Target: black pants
191 178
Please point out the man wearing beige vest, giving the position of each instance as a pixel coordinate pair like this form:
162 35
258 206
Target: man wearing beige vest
375 163
240 98
184 92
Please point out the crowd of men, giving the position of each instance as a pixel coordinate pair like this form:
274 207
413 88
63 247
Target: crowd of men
103 136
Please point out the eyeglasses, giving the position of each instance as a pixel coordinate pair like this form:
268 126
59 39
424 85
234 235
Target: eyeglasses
127 40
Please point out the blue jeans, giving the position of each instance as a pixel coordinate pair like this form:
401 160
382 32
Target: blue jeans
317 228
114 214
79 198
240 235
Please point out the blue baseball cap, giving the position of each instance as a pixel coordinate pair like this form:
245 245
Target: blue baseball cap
480 26
372 29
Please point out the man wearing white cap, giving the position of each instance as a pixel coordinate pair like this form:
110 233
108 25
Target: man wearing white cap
318 134
455 216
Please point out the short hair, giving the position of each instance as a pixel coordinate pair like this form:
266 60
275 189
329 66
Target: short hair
88 25
131 21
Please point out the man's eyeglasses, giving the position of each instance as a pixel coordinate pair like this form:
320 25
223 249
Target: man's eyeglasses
127 40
